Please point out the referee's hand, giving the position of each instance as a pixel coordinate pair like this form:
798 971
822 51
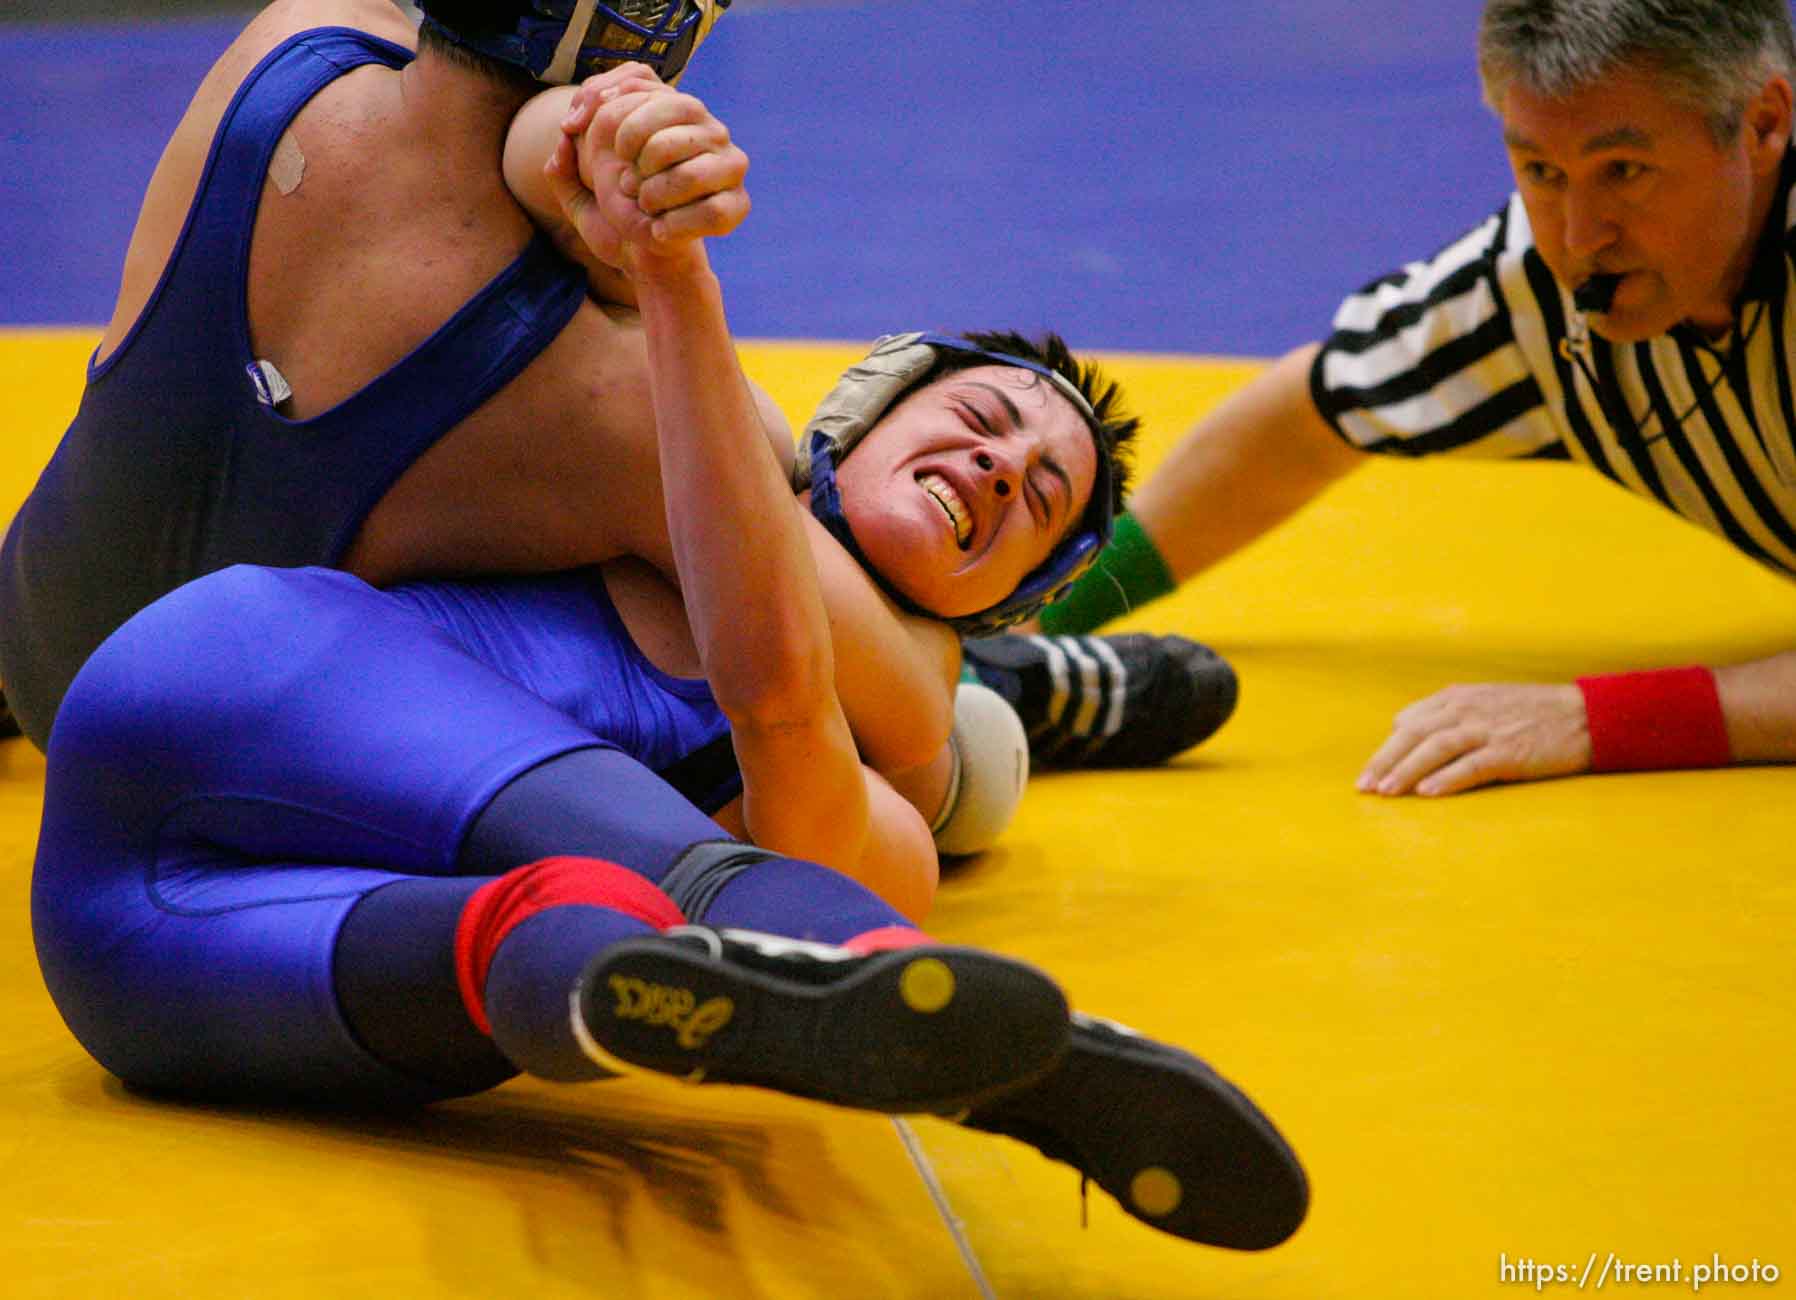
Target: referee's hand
1468 736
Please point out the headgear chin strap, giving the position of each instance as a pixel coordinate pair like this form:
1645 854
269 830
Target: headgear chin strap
861 399
564 41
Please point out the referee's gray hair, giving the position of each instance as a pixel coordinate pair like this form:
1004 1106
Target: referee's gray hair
1714 55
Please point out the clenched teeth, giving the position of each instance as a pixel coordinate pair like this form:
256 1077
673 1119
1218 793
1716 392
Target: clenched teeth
949 500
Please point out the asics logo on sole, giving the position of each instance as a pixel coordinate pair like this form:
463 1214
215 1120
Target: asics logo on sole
692 1021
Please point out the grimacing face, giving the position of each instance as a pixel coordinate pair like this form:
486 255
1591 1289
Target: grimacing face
967 485
1621 178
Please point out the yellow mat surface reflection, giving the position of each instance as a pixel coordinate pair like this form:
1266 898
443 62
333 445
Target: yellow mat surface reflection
1531 1028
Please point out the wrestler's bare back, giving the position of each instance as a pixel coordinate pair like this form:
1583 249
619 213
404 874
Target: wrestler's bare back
383 213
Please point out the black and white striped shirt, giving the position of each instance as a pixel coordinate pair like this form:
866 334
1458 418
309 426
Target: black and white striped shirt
1480 352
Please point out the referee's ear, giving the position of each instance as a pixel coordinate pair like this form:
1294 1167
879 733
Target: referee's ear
1767 125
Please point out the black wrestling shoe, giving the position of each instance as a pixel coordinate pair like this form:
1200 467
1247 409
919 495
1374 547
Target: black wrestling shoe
9 725
927 1029
1179 1147
1107 701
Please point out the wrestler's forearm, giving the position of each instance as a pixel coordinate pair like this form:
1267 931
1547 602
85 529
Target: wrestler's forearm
737 540
747 576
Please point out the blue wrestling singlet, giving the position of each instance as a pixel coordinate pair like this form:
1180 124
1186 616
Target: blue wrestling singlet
559 637
176 465
248 758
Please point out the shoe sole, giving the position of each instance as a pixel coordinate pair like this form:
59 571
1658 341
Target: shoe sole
1179 1146
928 1029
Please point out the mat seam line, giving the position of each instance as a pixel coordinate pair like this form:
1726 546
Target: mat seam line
939 1195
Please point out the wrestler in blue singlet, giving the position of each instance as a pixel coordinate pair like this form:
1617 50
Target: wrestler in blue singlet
177 463
263 754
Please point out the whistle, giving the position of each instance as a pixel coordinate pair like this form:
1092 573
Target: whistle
1596 293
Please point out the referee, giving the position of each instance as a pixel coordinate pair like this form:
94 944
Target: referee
1631 308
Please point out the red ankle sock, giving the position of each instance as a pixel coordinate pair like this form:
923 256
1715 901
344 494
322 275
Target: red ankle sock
500 906
885 939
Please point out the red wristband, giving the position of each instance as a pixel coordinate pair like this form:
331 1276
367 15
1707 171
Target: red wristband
1649 722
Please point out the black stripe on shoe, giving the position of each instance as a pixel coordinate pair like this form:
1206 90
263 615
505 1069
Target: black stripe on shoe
930 1029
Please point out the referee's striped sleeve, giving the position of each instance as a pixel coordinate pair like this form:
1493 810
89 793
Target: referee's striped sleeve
1425 361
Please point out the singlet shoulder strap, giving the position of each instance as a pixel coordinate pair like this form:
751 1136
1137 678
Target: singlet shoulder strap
264 106
476 352
222 216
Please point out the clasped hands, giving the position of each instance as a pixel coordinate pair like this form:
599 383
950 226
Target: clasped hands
644 173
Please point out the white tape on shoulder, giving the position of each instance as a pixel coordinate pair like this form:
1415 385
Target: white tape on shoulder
288 166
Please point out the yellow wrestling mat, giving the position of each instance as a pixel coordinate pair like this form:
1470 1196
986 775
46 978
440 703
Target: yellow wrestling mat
1531 1029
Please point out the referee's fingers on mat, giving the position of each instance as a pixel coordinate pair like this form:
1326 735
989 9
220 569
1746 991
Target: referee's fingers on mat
1431 753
